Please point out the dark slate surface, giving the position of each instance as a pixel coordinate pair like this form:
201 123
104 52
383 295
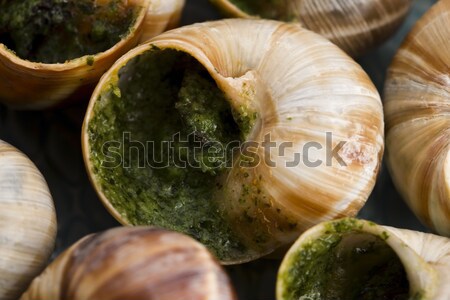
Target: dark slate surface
52 140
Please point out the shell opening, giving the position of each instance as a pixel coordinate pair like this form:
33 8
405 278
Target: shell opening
347 264
162 137
54 31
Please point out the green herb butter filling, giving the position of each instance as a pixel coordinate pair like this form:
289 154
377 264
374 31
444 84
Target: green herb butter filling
159 94
55 31
345 263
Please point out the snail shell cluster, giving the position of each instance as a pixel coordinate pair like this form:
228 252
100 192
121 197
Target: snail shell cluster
300 86
35 85
417 99
133 263
27 222
356 26
424 257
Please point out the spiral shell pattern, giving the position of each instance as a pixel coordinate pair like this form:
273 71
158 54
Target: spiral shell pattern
417 101
133 263
356 26
27 222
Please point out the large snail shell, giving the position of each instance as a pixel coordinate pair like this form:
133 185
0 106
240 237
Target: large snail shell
354 25
139 263
33 85
417 97
27 222
300 86
424 260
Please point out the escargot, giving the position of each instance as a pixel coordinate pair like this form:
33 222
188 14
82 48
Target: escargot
27 222
357 259
417 99
53 51
133 263
354 25
240 133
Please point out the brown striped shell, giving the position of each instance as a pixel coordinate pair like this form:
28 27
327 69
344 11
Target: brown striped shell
424 257
27 222
300 87
417 107
139 263
33 85
356 26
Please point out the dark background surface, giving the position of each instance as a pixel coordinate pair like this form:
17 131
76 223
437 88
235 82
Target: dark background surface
52 141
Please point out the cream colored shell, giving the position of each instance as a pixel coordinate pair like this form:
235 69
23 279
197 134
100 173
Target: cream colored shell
417 101
27 222
31 85
425 257
354 25
301 86
133 263
161 16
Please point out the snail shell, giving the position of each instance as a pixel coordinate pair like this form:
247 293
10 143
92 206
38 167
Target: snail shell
356 26
417 99
34 85
133 263
162 15
27 222
299 86
420 260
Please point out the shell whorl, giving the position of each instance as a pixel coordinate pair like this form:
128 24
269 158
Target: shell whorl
27 222
133 263
417 100
162 15
356 26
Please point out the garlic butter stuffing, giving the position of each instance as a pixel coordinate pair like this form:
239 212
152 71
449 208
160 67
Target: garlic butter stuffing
163 92
54 31
242 81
